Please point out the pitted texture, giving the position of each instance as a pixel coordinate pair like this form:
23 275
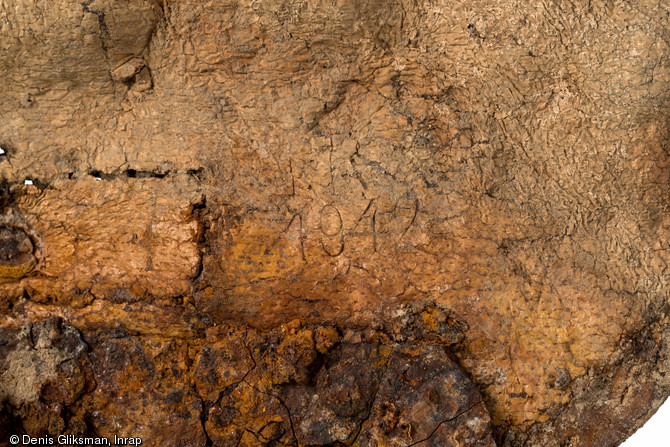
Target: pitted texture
199 163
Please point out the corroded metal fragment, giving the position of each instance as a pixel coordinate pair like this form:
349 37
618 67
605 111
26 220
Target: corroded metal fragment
427 187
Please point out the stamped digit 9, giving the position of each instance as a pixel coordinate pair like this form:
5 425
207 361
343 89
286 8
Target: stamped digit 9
330 223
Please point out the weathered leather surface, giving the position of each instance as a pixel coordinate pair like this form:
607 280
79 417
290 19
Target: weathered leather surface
479 187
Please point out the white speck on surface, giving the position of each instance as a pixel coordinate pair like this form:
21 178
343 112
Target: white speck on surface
28 182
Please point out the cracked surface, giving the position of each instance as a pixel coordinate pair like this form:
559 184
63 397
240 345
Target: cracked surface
195 165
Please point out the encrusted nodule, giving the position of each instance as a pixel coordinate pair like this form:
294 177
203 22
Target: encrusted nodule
16 253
